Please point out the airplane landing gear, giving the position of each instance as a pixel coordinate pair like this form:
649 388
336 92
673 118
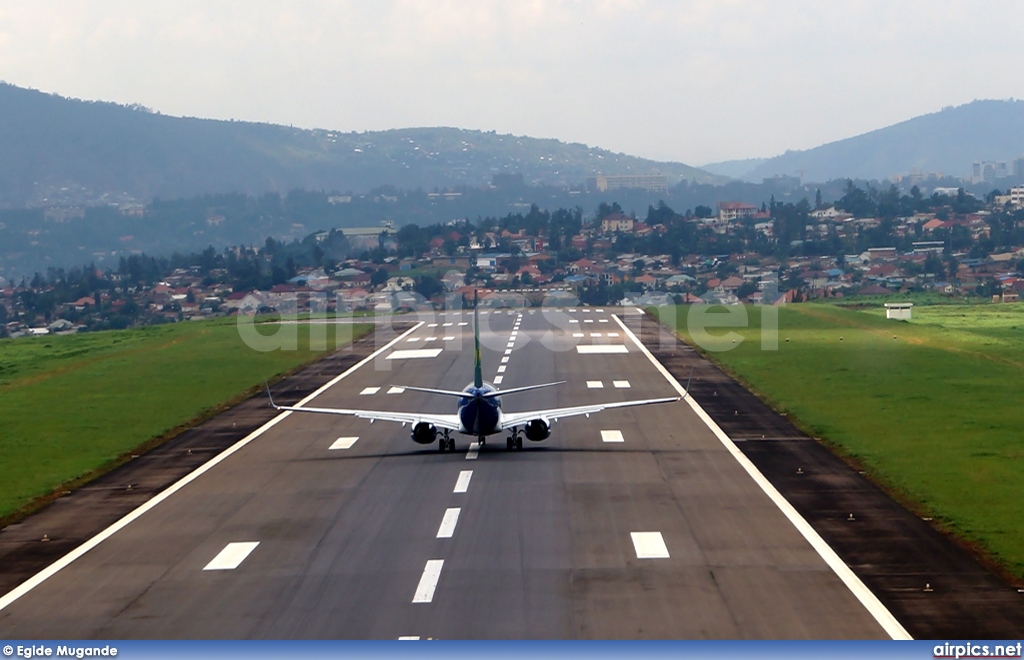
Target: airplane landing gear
446 443
514 441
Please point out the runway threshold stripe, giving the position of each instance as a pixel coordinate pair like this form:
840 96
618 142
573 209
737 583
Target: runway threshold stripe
69 558
462 483
231 557
866 597
428 581
448 523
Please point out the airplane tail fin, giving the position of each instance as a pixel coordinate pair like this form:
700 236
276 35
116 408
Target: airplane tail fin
478 377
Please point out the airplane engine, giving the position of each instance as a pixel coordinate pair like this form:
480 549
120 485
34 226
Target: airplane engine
537 430
424 433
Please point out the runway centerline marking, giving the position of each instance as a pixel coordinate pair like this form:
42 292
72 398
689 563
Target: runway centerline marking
595 385
504 359
501 369
369 390
866 597
498 379
431 325
428 581
413 339
578 335
449 338
344 443
621 384
448 523
474 451
231 556
595 335
462 483
447 325
649 545
612 436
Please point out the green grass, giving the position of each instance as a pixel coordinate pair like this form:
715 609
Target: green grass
73 405
934 415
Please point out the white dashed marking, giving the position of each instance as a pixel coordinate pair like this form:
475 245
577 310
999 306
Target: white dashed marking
621 384
474 449
588 320
613 334
409 638
231 556
462 483
414 354
501 369
649 545
449 338
600 311
447 325
498 379
602 320
573 321
595 384
595 334
504 359
430 339
508 351
428 581
396 390
577 334
413 340
464 323
448 523
369 390
612 436
431 325
601 348
344 443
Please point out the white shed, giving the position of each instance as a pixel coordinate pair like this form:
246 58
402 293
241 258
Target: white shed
899 311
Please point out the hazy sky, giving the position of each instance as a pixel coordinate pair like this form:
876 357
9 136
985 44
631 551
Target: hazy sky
692 81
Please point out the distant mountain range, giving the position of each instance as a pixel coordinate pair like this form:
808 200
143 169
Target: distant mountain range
948 141
58 150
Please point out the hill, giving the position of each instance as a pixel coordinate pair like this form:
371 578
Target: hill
60 150
948 141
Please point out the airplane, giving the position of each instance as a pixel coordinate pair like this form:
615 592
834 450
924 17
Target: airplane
479 411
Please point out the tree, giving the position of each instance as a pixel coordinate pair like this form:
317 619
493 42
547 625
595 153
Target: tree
379 276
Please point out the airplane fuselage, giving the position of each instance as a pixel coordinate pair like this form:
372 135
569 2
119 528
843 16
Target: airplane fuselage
479 416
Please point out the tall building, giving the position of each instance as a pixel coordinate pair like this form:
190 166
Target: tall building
654 182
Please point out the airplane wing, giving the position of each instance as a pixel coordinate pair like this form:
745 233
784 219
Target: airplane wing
508 420
450 422
439 420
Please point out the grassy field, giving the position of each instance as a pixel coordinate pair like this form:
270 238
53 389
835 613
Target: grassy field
71 405
930 407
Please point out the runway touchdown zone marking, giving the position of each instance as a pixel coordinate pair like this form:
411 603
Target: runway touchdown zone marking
612 436
231 556
414 354
428 581
369 390
593 349
649 545
344 443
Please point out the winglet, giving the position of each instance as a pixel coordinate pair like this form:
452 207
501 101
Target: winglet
478 377
271 396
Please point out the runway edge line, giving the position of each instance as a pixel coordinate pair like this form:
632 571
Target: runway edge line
81 550
867 598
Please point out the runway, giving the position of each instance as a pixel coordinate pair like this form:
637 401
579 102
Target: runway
635 523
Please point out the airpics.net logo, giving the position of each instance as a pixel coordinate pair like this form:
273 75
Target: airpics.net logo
712 327
964 650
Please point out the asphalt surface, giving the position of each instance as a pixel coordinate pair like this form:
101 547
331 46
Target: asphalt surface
936 588
346 540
